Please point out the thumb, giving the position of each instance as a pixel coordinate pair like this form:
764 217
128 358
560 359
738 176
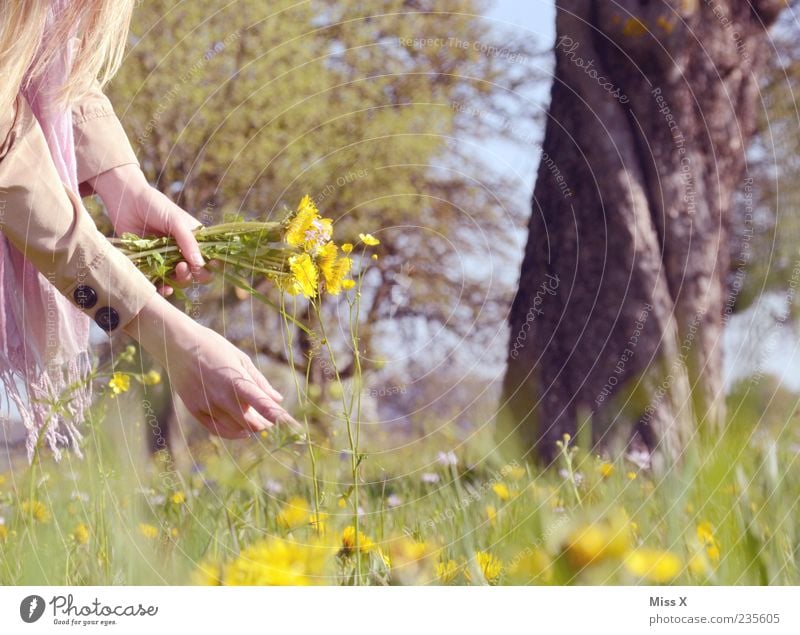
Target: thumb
181 231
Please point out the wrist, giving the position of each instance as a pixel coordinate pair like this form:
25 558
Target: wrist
159 325
119 184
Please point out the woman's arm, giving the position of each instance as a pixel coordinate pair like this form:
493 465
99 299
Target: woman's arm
49 225
107 165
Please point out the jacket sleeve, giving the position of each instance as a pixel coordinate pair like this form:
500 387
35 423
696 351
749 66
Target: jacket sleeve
100 141
47 222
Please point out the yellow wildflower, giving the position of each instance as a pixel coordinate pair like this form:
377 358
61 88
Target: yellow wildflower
596 542
278 562
295 513
369 240
148 531
348 284
491 514
119 383
656 566
705 533
152 378
301 222
347 248
178 498
517 473
501 490
3 533
365 544
81 534
606 469
37 510
447 571
333 269
631 476
305 276
490 566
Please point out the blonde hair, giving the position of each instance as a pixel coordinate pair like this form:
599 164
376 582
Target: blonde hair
28 45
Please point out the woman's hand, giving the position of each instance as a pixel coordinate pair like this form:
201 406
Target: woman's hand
219 384
135 207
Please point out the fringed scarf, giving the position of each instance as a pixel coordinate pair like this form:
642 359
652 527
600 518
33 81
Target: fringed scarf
44 339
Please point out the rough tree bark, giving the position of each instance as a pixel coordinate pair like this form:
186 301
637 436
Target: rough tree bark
622 295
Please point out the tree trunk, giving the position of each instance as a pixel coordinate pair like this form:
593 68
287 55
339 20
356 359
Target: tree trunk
623 290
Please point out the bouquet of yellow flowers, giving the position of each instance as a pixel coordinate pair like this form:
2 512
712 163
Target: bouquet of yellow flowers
297 254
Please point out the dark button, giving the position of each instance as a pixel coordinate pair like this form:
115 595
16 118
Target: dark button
85 297
107 318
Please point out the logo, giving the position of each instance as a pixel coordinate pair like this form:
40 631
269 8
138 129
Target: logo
31 608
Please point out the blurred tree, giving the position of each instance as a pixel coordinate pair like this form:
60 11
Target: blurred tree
243 107
619 315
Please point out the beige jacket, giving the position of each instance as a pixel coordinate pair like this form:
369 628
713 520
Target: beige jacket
48 223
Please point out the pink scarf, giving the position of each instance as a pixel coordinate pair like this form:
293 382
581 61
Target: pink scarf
44 339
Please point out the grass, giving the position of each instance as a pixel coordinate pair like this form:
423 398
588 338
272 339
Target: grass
245 513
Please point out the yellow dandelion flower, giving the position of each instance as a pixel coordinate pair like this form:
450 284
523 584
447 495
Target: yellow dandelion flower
279 562
656 566
301 222
174 533
294 513
365 544
152 378
347 248
705 533
490 566
333 268
348 284
596 542
342 502
81 533
631 476
501 491
148 531
305 276
369 240
119 383
178 498
36 510
447 571
606 469
374 256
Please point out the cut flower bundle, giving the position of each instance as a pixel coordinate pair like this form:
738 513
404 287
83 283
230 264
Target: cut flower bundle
296 254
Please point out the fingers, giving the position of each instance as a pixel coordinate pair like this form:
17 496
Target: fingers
255 421
183 276
181 225
222 425
248 393
260 380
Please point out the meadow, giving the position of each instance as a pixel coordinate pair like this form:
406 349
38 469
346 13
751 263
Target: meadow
438 510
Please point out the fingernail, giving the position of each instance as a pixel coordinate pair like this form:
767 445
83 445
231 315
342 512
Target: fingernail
196 259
